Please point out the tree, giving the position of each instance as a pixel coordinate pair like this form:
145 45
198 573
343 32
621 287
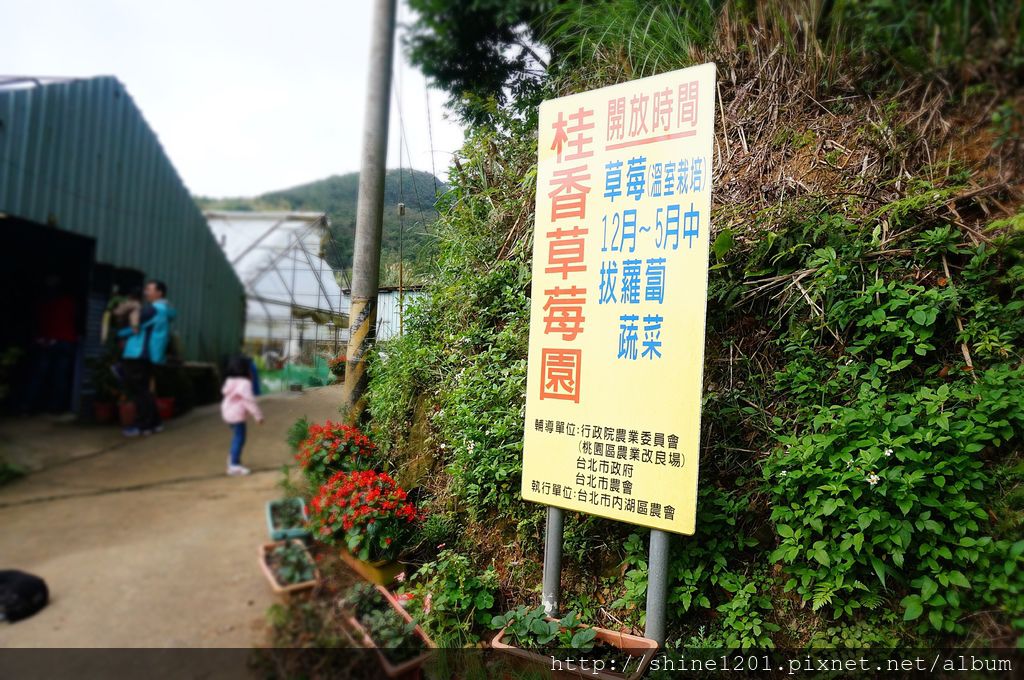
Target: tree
479 51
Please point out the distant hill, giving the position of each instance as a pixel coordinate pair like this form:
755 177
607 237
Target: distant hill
336 195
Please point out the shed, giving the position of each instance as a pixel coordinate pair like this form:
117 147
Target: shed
89 197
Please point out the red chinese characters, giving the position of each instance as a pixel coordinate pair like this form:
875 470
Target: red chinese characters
656 116
688 104
564 311
566 249
571 133
569 186
616 118
560 374
569 195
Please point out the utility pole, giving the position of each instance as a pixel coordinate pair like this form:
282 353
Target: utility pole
370 209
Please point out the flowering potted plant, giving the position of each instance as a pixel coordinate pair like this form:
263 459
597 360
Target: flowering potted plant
331 447
369 515
337 366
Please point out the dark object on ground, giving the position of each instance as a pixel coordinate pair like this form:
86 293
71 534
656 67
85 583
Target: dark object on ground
21 595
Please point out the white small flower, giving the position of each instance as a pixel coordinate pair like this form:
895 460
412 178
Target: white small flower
887 452
783 473
873 479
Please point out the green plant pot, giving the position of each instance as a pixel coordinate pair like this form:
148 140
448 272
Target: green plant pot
280 534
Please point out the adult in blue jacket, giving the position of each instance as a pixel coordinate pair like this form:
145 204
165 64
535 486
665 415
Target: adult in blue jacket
145 348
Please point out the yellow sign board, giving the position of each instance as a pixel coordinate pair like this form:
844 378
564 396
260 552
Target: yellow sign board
619 293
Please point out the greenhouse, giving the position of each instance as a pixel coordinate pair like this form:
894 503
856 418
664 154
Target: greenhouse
296 313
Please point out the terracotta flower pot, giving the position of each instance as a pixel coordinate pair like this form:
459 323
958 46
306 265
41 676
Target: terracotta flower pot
103 412
632 644
126 413
381 573
362 636
292 589
165 407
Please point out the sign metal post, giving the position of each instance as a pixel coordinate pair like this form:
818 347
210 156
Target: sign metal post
657 585
552 580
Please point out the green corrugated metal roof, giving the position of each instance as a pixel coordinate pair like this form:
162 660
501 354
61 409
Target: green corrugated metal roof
78 155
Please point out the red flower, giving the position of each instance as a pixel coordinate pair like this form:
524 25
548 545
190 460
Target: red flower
361 499
335 447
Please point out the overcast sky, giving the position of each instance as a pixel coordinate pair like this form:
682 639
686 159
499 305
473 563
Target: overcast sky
246 96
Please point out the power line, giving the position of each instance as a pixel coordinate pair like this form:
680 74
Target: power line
404 142
430 136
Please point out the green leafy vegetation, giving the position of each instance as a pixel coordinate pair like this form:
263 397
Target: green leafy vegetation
291 563
10 472
495 53
861 474
388 630
297 433
393 634
530 629
451 600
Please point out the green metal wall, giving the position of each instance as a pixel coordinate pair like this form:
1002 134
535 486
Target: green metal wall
78 155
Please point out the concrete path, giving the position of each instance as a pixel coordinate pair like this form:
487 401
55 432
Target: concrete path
150 544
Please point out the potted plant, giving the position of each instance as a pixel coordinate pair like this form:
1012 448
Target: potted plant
286 518
165 406
451 599
379 623
175 391
332 447
9 359
126 412
105 389
370 516
337 366
289 567
532 635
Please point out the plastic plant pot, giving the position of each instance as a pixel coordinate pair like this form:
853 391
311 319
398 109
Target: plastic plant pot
381 573
282 533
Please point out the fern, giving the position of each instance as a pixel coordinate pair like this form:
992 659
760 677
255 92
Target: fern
822 596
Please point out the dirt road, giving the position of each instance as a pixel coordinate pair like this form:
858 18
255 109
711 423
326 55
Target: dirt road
151 544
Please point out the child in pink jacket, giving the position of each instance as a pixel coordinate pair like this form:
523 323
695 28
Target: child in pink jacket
237 403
